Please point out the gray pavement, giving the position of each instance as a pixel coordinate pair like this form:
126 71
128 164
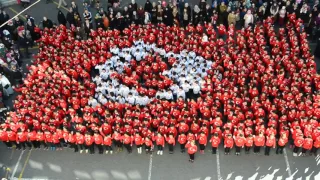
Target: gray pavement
66 165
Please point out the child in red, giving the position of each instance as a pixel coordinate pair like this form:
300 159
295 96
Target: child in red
240 140
171 142
215 141
228 144
249 143
107 142
148 144
192 149
270 143
202 138
160 143
182 139
283 140
259 142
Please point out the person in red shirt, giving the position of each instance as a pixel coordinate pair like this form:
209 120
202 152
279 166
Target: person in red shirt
249 143
202 138
138 140
48 139
88 141
182 139
160 143
270 143
107 142
215 141
127 142
283 140
307 145
192 149
171 142
316 145
98 140
259 142
21 139
117 138
228 144
4 138
78 141
298 143
239 140
148 144
40 140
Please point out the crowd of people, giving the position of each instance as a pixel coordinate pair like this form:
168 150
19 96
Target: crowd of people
152 85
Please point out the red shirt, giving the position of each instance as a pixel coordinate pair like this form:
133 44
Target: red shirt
228 142
215 141
171 140
192 149
127 140
22 137
4 136
271 142
240 141
88 139
202 139
259 141
182 139
98 139
107 141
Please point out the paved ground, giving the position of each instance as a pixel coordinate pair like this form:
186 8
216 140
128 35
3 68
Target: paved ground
65 165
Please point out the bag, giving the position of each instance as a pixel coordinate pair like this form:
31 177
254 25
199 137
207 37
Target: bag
6 86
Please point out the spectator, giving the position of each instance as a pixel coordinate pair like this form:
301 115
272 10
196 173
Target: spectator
148 6
61 18
23 42
232 18
70 17
74 7
282 15
248 19
87 16
6 85
88 27
47 23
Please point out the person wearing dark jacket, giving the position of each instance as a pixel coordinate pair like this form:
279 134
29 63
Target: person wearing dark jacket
148 6
87 27
30 28
47 23
23 42
70 17
61 18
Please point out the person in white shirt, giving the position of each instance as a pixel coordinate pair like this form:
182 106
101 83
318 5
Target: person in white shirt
131 99
168 95
120 99
124 90
92 102
181 93
195 90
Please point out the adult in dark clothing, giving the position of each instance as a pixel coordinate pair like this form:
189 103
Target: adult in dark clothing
317 50
134 5
30 27
15 76
148 6
154 13
74 7
135 18
47 23
88 27
79 33
23 42
120 21
17 22
196 15
126 16
61 18
11 28
1 18
99 18
112 21
28 17
5 17
140 13
167 16
207 13
70 17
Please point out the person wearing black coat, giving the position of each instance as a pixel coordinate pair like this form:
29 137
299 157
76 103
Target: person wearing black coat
61 18
47 23
70 17
148 6
31 27
87 27
167 16
23 42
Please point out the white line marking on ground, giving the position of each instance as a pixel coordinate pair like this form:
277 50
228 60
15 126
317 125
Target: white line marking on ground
150 168
16 167
20 13
287 161
218 166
